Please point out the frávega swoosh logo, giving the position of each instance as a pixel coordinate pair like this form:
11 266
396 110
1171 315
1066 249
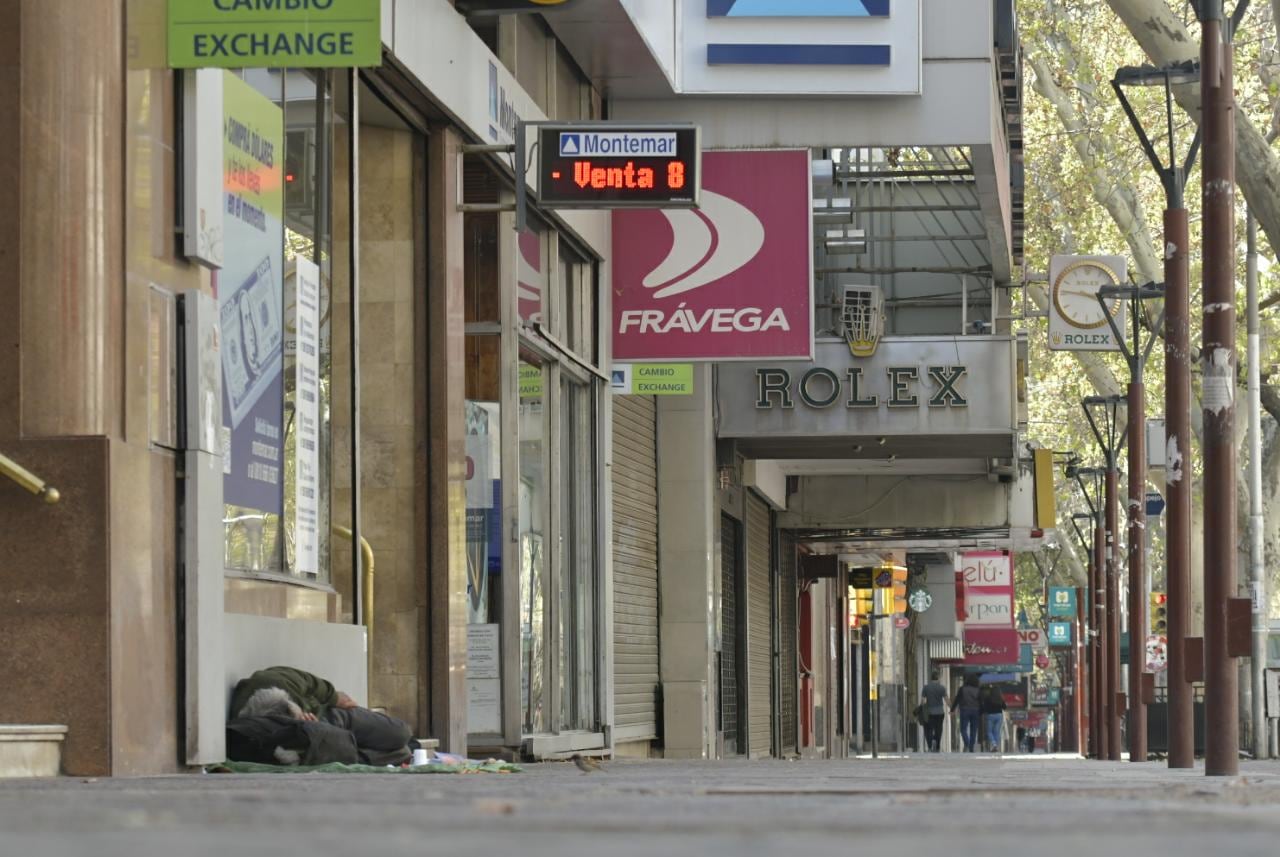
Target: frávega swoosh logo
710 243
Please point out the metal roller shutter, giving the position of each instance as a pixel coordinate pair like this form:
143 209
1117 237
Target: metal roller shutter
635 568
730 686
759 630
788 670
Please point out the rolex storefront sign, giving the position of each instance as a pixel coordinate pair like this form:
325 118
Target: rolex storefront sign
930 396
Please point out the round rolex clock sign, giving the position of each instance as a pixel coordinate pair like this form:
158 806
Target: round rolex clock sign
1077 319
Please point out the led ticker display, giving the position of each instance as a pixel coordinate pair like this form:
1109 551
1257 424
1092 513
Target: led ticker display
607 165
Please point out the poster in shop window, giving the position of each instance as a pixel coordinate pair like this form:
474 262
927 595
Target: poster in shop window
306 418
250 290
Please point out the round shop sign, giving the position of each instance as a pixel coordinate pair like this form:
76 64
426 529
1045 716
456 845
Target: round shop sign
920 600
902 623
1042 661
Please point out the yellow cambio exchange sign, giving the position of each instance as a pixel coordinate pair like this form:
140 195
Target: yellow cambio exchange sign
274 33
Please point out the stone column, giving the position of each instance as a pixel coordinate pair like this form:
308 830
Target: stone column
688 569
446 451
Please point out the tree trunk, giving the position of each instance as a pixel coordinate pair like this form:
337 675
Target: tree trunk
1166 40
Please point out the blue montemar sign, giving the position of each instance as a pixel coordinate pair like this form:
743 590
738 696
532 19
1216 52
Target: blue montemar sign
1059 633
274 33
1062 601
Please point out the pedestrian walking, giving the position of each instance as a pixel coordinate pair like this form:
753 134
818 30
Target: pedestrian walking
993 706
968 700
934 696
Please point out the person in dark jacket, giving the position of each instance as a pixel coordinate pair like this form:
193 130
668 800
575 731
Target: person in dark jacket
993 706
934 702
969 700
283 715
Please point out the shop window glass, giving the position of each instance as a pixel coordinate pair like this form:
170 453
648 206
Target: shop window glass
577 294
481 263
577 530
535 532
277 366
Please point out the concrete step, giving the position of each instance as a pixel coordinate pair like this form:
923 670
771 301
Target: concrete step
31 750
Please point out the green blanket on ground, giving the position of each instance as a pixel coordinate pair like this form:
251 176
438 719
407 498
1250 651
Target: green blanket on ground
338 768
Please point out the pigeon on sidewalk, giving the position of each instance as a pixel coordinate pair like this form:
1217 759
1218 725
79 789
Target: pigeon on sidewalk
586 765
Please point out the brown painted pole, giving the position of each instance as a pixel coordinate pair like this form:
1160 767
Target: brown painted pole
1102 629
1137 731
1177 408
1089 604
1218 365
1078 651
1114 747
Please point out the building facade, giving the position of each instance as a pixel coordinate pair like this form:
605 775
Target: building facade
366 427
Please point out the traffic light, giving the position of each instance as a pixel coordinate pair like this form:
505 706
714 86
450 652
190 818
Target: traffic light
1160 613
860 607
892 580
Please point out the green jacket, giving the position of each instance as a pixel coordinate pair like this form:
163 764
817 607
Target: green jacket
312 693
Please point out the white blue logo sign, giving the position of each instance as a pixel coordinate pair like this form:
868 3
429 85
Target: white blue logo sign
1062 601
618 144
1059 633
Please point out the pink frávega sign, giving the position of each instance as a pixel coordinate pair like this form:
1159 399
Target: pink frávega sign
730 280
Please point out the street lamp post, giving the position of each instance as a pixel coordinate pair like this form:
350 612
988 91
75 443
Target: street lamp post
1177 391
1136 358
1109 428
1090 481
1218 381
1086 736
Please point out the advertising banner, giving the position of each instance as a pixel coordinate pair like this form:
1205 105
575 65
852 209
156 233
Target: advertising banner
483 494
306 417
250 291
991 647
1059 633
731 280
1062 601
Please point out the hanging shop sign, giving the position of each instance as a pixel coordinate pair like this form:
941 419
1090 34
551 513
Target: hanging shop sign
1077 321
920 600
731 281
275 33
988 589
992 646
1034 637
652 379
1045 696
612 165
1059 633
1062 601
